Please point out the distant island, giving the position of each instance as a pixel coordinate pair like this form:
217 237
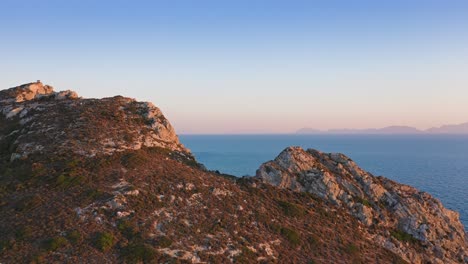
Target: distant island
460 129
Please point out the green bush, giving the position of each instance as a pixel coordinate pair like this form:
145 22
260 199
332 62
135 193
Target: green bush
73 163
61 180
67 180
104 241
403 236
291 235
139 252
55 243
74 236
290 209
363 201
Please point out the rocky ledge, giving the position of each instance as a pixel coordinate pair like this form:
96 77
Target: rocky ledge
38 120
395 215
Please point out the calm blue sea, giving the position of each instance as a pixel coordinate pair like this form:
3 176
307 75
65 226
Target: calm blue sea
435 164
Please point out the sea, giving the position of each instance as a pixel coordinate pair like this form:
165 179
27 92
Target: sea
437 164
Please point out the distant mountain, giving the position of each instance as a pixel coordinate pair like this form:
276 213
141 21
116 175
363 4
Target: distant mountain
447 129
450 129
385 130
308 130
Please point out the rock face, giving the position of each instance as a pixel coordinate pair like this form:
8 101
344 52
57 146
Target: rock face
41 120
381 205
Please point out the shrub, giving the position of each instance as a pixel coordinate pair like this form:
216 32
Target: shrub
65 180
164 242
351 249
23 233
94 194
74 236
104 241
127 228
139 252
73 163
363 201
55 243
290 209
402 236
158 150
61 179
291 235
132 160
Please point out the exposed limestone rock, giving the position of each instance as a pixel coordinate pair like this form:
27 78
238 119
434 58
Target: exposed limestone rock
25 92
156 120
66 95
379 203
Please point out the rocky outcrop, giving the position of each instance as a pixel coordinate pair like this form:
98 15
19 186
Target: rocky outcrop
40 120
396 216
25 92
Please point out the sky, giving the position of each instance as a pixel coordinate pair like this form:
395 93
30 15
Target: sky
255 66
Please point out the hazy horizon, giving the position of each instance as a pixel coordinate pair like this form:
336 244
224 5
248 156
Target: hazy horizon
250 66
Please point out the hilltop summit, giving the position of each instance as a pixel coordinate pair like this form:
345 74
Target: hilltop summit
39 120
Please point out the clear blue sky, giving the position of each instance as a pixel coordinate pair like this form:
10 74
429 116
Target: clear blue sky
250 66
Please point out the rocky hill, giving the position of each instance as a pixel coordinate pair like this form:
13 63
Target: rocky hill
395 215
107 181
61 122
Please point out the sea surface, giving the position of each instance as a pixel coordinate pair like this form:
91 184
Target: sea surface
437 164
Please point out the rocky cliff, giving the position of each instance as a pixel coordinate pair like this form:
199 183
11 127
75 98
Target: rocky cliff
396 216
